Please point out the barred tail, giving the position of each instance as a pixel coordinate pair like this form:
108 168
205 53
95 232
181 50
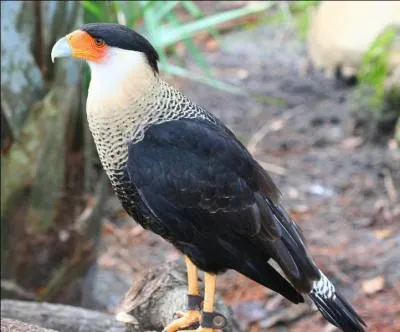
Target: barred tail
334 307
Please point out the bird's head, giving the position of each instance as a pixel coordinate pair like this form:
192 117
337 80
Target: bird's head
123 63
105 44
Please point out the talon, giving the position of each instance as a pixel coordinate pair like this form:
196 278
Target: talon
186 320
178 314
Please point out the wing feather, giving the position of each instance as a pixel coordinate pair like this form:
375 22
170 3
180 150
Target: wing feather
203 185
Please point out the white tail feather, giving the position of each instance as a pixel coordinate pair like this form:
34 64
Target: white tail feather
324 288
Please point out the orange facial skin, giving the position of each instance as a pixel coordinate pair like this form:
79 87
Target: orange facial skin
85 47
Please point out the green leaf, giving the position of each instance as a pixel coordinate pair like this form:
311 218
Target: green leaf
165 9
92 8
133 11
188 30
185 73
192 9
155 15
97 9
374 65
191 46
196 12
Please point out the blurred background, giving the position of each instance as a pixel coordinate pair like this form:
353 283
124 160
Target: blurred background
312 88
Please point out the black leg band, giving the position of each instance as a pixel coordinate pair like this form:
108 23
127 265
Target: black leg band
194 302
213 320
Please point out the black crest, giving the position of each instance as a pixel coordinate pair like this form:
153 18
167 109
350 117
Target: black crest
123 37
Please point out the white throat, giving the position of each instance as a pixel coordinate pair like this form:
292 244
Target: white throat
118 80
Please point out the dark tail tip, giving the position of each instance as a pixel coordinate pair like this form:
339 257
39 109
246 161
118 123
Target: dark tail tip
339 313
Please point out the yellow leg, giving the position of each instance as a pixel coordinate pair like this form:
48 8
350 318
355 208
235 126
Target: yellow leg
193 281
209 298
210 281
189 317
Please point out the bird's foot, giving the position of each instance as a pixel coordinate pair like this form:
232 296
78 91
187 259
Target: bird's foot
185 320
200 329
210 322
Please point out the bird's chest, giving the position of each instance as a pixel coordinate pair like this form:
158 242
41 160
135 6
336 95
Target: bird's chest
110 125
112 147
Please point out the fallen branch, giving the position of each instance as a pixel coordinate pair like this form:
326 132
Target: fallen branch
148 306
10 325
60 317
152 301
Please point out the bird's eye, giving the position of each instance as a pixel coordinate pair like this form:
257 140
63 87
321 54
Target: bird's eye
99 42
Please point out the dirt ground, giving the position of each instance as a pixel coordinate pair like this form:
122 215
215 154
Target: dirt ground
340 186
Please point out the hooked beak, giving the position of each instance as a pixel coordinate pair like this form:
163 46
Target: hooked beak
61 49
79 44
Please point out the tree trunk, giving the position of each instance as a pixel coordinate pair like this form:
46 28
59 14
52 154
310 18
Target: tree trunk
45 160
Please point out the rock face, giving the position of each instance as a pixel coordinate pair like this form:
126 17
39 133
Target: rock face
341 31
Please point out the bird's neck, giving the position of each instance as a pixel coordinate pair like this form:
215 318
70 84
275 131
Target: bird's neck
118 82
116 98
124 102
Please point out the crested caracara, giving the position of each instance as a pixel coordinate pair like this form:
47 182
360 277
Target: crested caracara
184 176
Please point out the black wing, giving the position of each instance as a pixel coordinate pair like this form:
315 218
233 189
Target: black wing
210 198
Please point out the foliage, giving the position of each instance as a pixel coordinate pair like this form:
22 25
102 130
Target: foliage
301 13
159 22
294 14
374 67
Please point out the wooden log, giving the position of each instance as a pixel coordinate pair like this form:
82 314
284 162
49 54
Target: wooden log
11 325
60 317
159 293
149 305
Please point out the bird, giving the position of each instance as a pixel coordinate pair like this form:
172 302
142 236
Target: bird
183 175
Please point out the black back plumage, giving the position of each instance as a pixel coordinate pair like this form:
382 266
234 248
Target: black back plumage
121 36
213 201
